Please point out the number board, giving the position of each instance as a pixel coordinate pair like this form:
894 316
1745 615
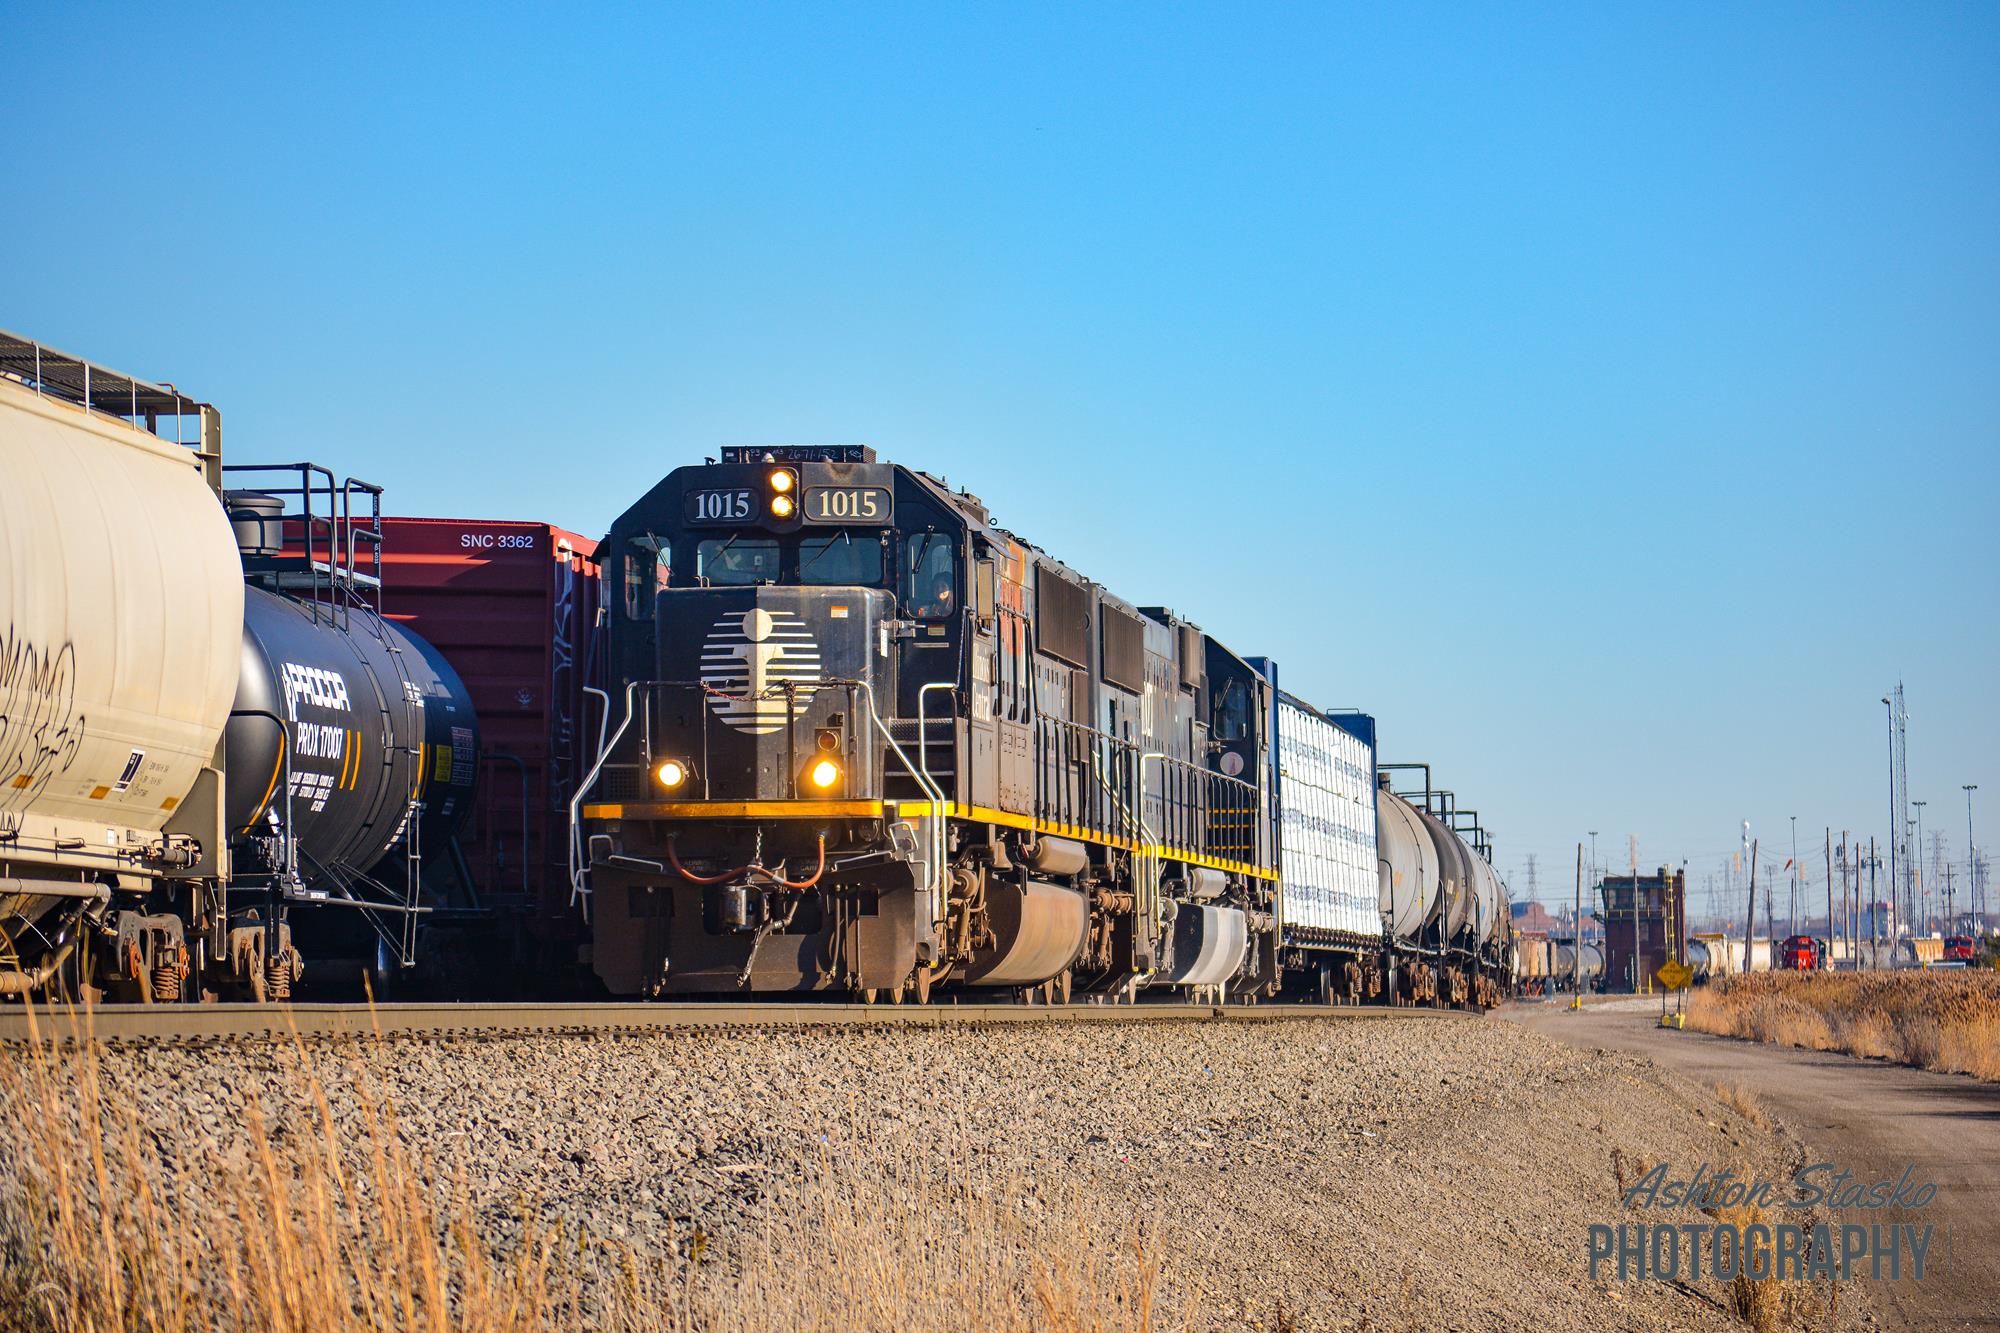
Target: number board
849 504
710 507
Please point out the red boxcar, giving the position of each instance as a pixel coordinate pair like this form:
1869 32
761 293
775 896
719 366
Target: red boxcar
512 606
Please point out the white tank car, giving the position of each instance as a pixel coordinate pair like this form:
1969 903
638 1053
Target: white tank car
121 630
121 627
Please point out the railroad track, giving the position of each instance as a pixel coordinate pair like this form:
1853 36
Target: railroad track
184 1022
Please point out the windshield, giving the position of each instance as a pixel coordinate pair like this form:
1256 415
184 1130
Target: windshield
738 560
841 559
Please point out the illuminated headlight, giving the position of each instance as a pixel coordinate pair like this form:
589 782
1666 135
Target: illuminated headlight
782 482
671 773
824 774
782 506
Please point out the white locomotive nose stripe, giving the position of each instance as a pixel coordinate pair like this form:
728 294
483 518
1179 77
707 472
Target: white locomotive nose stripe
745 654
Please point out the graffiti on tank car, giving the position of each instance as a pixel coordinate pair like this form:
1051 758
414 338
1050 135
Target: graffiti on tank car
41 733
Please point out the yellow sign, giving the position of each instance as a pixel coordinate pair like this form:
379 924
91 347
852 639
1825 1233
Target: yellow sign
1674 974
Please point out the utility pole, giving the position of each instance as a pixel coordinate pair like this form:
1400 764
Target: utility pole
1895 809
1576 934
1795 876
1920 892
1874 915
1770 914
1973 883
1832 931
1593 857
1750 919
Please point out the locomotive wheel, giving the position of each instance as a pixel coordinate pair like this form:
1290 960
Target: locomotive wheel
921 984
1061 987
868 994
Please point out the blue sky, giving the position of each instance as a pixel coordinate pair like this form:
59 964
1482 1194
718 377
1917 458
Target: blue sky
1607 396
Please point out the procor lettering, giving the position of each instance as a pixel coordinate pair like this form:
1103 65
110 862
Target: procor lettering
315 686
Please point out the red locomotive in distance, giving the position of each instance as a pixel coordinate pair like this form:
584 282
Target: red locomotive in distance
1959 948
1802 953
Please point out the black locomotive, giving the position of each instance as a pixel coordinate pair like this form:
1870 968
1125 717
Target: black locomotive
865 740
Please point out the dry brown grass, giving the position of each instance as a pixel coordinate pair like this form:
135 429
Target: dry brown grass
1760 1302
1943 1020
102 1229
1744 1102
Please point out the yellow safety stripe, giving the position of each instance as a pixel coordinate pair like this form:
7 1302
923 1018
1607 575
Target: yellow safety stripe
737 810
988 815
904 809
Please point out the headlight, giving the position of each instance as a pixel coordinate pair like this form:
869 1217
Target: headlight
823 774
671 773
782 482
782 506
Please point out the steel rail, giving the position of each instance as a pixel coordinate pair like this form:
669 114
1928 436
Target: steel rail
201 1022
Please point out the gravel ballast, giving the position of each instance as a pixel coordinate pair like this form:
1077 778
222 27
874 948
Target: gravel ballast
1319 1174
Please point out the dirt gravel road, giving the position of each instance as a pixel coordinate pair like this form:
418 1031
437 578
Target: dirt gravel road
1867 1115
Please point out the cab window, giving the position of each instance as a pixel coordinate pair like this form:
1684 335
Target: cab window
737 560
841 559
930 576
1232 713
645 574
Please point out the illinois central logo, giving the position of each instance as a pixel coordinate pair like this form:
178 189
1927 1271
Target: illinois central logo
747 660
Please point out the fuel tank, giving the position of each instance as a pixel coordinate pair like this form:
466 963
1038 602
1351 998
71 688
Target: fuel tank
1209 944
347 726
121 607
1039 928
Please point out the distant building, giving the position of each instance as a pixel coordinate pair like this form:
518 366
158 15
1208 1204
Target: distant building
1531 918
1644 920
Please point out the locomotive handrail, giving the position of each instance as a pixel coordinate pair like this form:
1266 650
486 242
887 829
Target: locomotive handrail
579 893
935 792
933 861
